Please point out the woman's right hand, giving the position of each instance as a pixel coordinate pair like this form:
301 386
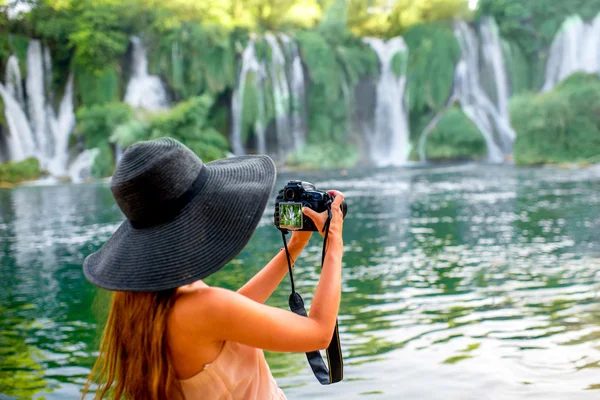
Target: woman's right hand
337 218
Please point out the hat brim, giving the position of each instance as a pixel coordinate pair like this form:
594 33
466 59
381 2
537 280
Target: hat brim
208 232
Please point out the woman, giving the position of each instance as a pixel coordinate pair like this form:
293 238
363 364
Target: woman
168 334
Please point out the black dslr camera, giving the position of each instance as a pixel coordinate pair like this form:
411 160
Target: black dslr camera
291 199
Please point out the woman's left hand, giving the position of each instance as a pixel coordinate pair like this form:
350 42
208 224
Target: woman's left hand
301 237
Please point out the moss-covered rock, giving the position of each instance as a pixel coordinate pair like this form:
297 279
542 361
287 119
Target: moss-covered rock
455 138
560 126
15 172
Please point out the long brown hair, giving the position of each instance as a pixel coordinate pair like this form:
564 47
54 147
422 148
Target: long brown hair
134 355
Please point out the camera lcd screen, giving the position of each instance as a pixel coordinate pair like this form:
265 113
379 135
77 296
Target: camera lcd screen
290 216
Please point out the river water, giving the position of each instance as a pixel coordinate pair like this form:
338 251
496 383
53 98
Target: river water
461 282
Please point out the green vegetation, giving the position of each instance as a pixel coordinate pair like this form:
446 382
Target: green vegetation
194 46
15 172
560 126
324 156
432 55
186 122
532 25
96 123
455 138
195 59
98 87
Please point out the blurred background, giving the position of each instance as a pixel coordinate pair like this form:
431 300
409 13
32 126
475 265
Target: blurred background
464 133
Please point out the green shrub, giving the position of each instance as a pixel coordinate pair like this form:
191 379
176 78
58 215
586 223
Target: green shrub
455 138
14 172
562 125
96 123
104 163
186 122
326 155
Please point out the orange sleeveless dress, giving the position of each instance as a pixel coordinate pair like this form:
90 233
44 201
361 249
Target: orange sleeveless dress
239 372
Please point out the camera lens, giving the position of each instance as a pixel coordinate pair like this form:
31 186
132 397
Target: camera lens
289 194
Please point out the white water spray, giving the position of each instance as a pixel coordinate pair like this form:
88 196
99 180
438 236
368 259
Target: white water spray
576 47
388 143
491 119
43 134
281 97
81 168
250 64
297 91
13 80
144 90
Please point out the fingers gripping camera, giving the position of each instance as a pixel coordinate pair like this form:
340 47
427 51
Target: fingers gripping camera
290 200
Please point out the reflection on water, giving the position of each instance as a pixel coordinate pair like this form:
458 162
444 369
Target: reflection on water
459 282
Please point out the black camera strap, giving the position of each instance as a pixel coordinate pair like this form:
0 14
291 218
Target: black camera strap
333 372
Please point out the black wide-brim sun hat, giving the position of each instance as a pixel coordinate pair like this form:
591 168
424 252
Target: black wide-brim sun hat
185 219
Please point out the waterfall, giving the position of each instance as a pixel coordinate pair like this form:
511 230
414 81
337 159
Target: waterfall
284 76
144 90
491 49
492 119
39 132
13 80
576 47
36 98
250 64
81 168
388 144
281 97
61 127
18 137
295 74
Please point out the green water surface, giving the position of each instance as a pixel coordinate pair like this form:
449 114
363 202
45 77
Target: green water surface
463 282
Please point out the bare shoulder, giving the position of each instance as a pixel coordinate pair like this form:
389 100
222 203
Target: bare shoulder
195 305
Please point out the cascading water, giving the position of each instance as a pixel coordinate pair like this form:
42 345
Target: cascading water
576 47
388 143
80 169
13 80
283 73
250 64
298 92
493 61
44 135
491 119
19 138
281 97
144 90
36 98
61 127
